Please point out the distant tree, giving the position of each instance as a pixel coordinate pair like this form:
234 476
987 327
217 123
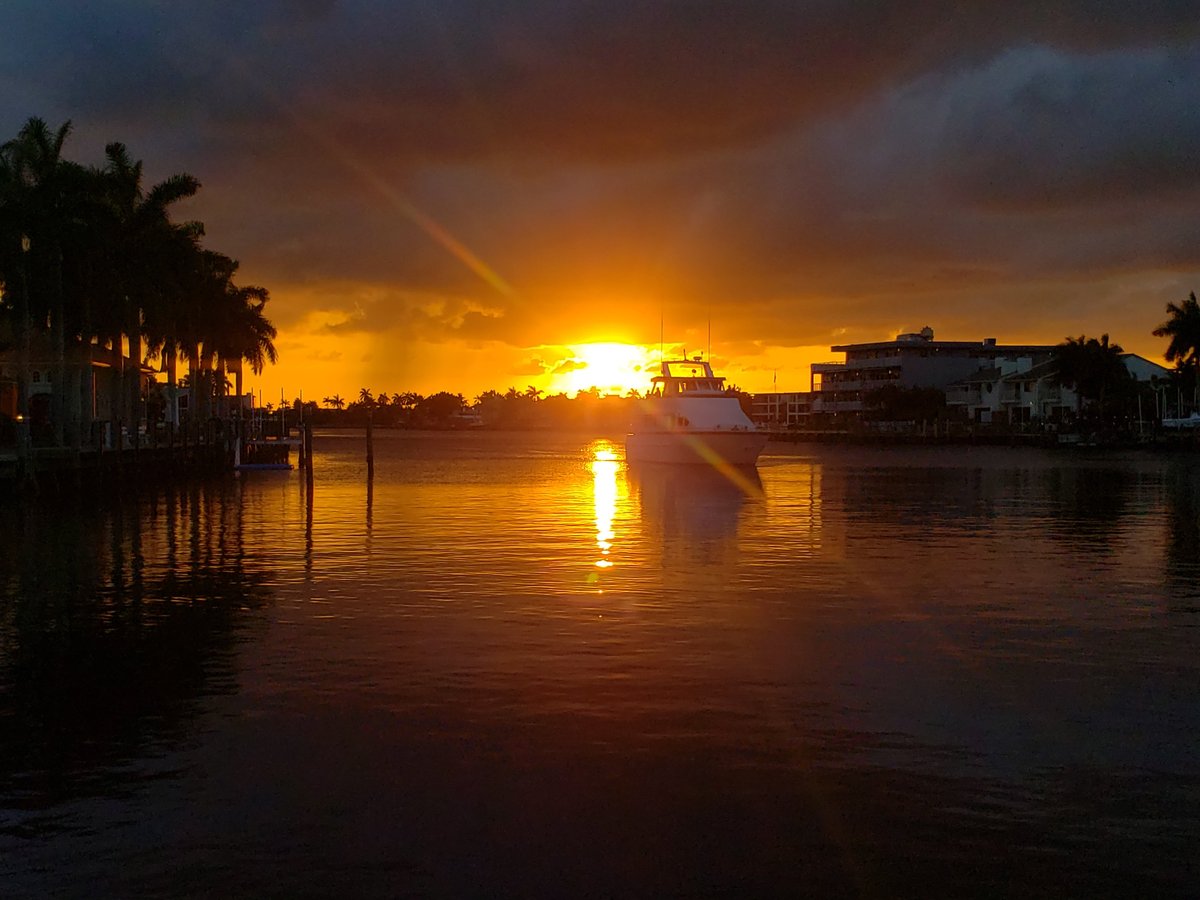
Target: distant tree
438 409
892 403
366 398
334 402
1092 368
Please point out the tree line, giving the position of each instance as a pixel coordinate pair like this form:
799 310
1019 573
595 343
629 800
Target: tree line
513 408
91 260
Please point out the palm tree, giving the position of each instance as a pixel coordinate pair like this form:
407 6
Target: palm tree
1183 349
366 399
1183 328
1092 368
146 244
249 337
38 188
334 402
14 252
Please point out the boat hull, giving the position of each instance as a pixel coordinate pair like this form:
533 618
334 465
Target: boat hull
735 448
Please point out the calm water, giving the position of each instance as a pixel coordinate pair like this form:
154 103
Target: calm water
513 667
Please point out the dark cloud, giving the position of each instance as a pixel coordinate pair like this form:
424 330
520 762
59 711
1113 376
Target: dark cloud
799 167
1054 131
472 79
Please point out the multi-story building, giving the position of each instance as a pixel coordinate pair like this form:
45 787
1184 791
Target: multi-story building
1016 395
913 361
781 409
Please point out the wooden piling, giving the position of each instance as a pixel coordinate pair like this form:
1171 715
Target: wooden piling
307 444
370 448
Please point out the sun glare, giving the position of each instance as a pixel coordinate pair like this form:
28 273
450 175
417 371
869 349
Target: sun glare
613 368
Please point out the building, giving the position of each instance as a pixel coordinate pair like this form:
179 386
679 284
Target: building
913 361
93 381
1016 395
1011 395
781 409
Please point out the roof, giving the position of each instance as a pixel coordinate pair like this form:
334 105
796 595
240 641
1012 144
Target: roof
983 376
1041 370
946 345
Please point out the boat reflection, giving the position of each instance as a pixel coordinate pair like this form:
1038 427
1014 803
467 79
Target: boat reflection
695 511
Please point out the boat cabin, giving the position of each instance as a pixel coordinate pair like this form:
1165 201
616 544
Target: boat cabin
687 376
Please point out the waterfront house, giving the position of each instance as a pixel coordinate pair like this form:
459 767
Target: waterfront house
1013 394
92 395
914 360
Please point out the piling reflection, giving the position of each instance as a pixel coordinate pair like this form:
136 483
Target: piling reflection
108 638
1183 538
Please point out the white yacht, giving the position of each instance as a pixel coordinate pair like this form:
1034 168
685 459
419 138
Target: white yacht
689 418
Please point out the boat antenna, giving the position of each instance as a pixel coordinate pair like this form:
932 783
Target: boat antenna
661 327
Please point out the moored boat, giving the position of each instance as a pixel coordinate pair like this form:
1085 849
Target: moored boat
690 418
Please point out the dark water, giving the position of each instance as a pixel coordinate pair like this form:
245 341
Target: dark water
512 667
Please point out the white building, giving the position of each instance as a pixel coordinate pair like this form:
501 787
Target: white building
1015 395
913 361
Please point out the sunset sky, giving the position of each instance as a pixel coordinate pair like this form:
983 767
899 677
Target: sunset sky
461 195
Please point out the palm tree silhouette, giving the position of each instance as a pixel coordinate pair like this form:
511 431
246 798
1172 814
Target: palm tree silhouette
91 254
1183 328
38 189
142 231
1183 349
1091 367
334 402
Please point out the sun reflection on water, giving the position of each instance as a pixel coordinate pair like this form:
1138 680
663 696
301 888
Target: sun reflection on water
604 492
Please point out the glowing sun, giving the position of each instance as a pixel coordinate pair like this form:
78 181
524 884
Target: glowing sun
611 367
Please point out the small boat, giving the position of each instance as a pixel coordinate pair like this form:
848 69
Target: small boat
690 418
1191 421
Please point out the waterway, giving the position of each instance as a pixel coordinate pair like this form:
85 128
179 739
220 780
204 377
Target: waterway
511 666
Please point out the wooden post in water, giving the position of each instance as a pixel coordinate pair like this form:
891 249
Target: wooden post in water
308 461
370 447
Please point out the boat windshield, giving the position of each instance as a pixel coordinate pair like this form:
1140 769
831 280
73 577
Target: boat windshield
687 369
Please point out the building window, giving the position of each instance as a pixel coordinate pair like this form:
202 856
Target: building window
37 377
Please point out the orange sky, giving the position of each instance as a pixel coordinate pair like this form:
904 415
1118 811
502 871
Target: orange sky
458 196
